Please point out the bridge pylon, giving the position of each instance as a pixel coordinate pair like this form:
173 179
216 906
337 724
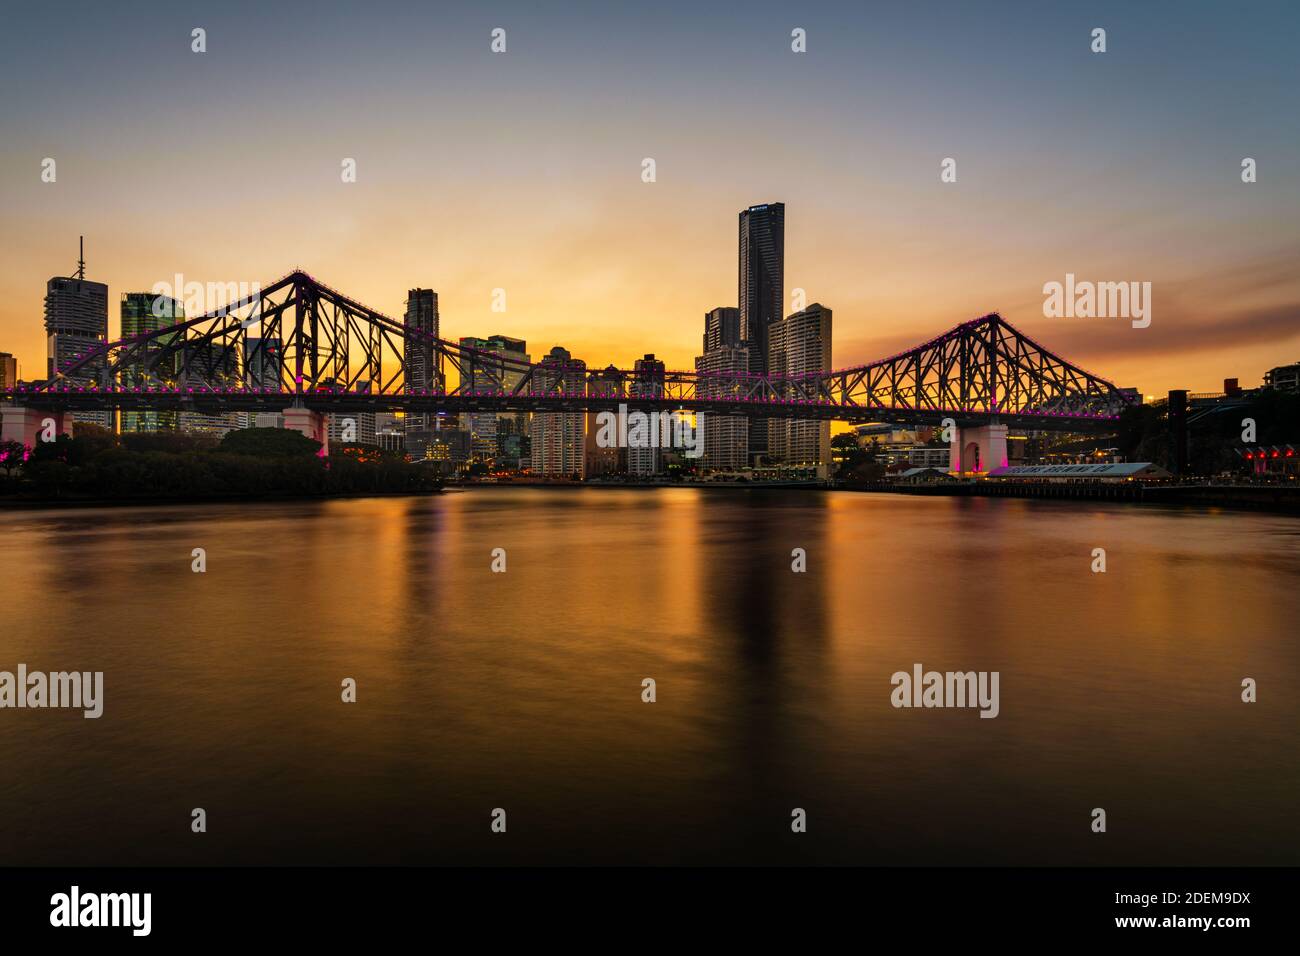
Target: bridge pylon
24 423
977 451
312 424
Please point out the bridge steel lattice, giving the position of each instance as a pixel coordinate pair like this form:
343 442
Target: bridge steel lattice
299 343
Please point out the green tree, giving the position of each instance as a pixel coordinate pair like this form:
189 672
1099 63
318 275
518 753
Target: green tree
269 443
11 456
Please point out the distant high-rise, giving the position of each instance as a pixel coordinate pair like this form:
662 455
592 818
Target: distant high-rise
1284 378
482 426
8 370
761 292
210 365
648 375
261 367
352 427
557 437
422 324
722 328
76 320
607 383
420 357
262 359
143 312
801 343
726 437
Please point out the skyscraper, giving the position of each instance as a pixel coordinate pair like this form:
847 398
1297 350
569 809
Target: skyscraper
607 383
143 312
262 364
76 320
647 382
8 370
210 364
422 373
726 437
722 328
801 343
261 374
761 292
557 437
482 426
422 325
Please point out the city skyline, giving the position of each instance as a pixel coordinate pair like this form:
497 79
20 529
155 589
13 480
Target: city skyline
524 194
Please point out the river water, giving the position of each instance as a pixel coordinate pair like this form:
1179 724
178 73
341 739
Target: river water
522 690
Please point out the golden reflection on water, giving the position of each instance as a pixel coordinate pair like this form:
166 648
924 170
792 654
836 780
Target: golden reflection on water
523 689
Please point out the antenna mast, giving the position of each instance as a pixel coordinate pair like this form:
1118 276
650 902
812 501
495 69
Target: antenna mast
81 258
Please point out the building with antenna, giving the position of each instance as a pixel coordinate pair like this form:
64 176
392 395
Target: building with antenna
76 320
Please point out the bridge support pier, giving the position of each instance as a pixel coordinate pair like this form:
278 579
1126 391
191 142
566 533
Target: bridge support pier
978 450
312 424
24 424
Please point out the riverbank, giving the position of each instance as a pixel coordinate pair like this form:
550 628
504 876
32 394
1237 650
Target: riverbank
15 503
1284 499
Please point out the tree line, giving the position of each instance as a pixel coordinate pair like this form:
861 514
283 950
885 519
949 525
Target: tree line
252 462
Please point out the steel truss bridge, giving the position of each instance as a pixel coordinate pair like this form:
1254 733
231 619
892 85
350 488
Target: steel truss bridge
299 343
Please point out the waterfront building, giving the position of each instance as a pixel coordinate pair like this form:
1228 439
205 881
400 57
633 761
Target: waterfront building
647 381
483 426
726 437
799 344
8 370
607 383
556 439
1284 378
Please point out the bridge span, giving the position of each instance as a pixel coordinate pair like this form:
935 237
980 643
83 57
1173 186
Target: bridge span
305 349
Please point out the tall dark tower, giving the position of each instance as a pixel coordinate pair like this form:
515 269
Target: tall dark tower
761 291
1177 412
419 352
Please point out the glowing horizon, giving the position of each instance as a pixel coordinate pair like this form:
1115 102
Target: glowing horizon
522 171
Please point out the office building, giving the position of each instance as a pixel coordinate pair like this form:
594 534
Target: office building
799 344
262 360
1284 378
389 434
647 382
423 373
8 371
483 426
761 293
726 437
611 460
144 312
557 444
722 329
76 321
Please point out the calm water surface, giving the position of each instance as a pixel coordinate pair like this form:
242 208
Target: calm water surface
523 690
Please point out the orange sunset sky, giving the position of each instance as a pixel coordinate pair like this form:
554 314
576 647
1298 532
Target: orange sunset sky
522 170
